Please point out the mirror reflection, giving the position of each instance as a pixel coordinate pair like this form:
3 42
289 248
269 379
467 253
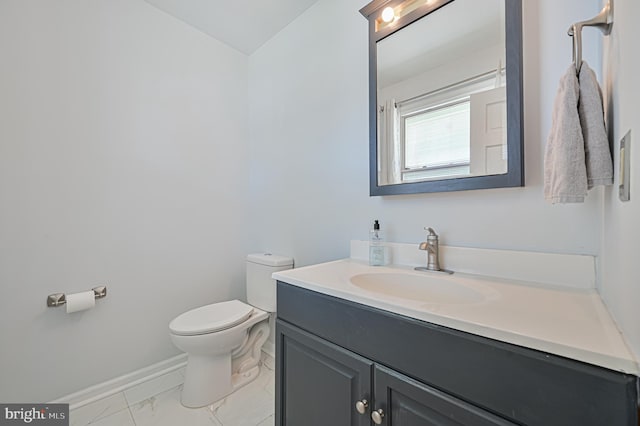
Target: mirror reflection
441 95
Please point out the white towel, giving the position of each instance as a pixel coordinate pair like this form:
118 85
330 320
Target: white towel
596 143
565 171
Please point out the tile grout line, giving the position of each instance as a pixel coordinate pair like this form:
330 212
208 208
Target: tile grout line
131 414
131 408
261 421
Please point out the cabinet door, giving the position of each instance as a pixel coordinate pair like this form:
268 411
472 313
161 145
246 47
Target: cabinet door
318 383
406 402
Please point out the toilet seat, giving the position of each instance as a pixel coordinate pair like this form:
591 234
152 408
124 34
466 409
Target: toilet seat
211 318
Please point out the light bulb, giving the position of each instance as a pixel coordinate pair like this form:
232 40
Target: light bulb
388 14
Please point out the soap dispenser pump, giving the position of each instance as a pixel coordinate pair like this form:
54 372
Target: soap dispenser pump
378 251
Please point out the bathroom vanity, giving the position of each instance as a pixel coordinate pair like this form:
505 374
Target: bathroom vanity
343 360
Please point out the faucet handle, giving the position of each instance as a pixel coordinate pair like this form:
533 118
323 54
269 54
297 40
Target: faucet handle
431 232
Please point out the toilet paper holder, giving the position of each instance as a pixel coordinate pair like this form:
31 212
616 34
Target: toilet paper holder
59 299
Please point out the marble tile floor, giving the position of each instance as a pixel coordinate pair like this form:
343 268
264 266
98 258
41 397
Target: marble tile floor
157 403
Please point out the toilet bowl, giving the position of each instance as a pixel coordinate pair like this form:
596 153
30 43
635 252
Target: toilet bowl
224 340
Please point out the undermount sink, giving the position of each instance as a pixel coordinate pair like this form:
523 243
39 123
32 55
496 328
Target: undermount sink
418 287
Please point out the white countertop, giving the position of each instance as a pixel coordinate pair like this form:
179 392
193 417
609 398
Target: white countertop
573 323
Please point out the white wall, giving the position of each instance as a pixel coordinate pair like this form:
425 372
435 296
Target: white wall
309 147
620 287
122 139
125 158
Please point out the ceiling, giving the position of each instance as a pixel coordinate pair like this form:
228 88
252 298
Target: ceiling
244 25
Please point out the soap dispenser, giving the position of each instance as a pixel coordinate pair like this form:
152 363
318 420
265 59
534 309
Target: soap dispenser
378 251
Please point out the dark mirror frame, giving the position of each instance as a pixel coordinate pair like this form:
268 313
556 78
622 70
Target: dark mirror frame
515 115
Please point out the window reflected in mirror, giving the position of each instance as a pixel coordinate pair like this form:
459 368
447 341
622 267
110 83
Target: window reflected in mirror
441 95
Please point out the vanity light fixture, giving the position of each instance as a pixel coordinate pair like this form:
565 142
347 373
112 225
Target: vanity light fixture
388 17
388 14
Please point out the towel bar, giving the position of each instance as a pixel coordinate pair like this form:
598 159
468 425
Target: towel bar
603 21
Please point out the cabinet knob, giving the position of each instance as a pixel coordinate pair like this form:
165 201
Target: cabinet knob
361 406
377 417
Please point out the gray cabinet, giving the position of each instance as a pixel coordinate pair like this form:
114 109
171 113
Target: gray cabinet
319 383
407 402
323 384
332 353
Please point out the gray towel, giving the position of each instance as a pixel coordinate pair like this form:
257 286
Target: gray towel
565 171
596 143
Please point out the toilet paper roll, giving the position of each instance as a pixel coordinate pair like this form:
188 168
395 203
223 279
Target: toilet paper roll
80 301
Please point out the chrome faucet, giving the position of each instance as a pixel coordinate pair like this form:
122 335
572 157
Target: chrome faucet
431 246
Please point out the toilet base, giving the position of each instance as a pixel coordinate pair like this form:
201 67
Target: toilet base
200 388
238 380
209 378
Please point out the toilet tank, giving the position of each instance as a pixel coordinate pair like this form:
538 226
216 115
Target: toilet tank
261 288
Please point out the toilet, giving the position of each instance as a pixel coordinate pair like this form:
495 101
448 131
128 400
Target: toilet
224 340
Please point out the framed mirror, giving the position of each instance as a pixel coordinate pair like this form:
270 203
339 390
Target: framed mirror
445 95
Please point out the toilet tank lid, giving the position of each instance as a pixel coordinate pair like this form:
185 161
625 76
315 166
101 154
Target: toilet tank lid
269 259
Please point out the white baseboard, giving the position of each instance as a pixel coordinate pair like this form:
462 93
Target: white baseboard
122 383
119 384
